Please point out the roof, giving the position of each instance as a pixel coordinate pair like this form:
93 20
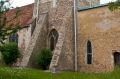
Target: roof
24 15
93 7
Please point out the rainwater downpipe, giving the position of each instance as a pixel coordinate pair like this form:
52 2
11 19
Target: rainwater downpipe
38 2
75 35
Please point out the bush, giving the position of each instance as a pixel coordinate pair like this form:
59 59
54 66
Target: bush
10 53
44 58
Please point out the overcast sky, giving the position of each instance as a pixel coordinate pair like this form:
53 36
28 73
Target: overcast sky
18 3
106 1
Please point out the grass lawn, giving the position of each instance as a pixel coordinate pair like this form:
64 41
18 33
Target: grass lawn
12 73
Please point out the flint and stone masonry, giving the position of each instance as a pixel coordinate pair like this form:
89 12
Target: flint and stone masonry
98 35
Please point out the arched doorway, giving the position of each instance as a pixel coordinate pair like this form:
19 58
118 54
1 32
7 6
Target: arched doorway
117 58
53 37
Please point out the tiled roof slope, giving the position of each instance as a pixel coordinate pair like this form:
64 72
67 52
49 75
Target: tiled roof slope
24 15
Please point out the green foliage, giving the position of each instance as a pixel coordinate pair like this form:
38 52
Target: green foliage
10 53
114 5
5 27
44 58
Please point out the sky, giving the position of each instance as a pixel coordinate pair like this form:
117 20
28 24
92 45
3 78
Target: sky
18 3
106 1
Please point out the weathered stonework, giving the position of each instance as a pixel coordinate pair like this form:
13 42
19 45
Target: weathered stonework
87 3
36 44
66 61
101 27
23 41
59 18
98 24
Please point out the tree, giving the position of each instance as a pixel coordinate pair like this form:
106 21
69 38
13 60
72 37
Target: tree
6 26
115 6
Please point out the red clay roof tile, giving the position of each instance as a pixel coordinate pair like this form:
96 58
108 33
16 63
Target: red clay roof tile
24 15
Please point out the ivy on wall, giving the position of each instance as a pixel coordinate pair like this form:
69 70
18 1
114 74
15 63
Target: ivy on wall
114 6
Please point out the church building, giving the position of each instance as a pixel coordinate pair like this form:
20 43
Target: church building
82 34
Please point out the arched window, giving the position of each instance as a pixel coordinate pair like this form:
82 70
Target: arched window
53 39
89 53
13 38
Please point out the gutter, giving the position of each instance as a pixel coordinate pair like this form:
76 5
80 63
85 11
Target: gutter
94 7
75 35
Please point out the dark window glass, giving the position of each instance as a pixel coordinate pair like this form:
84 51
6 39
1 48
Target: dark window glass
89 59
89 53
52 43
89 48
33 26
13 38
117 59
53 39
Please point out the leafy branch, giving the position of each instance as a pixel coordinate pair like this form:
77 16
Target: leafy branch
7 26
114 6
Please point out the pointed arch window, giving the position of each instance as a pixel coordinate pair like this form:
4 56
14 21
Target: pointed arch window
89 52
53 39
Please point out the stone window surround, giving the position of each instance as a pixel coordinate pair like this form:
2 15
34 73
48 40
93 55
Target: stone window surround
49 36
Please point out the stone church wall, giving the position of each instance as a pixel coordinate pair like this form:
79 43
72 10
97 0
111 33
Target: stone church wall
40 41
24 36
60 18
102 28
67 56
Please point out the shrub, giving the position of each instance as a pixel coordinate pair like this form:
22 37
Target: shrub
10 53
44 58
